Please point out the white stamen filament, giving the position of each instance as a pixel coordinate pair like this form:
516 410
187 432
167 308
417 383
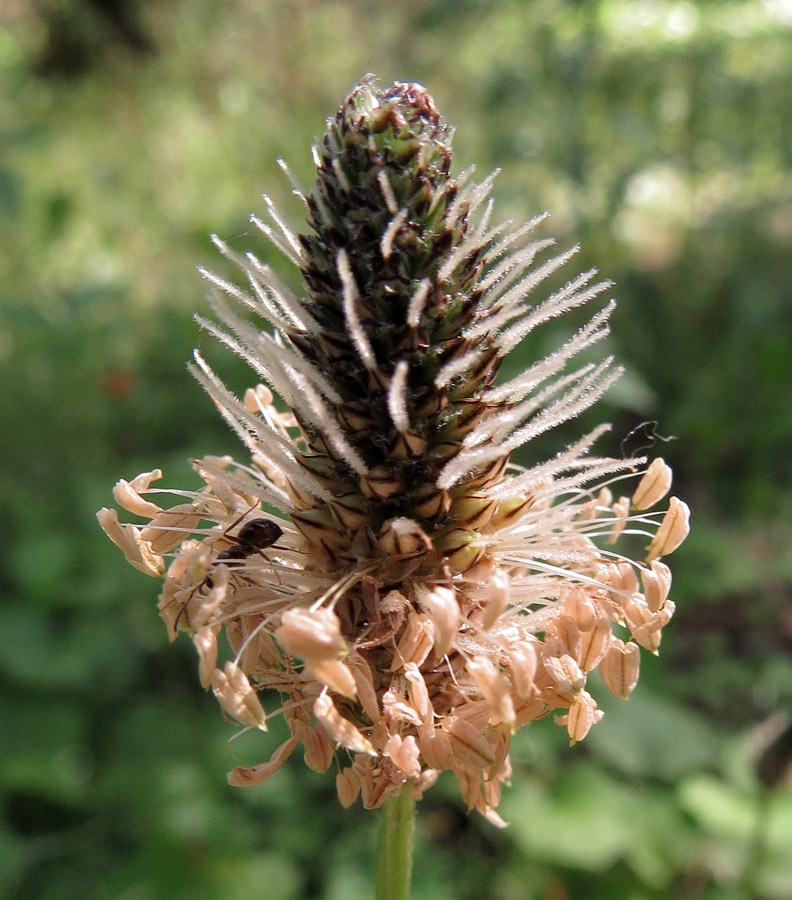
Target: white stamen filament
417 303
290 236
596 329
351 299
341 175
274 238
397 397
386 244
387 192
297 189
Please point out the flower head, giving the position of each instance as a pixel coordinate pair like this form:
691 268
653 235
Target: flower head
412 596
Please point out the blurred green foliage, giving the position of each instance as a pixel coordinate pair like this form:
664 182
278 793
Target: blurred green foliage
659 134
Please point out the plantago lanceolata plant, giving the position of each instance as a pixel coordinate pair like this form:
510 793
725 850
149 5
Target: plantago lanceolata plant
416 597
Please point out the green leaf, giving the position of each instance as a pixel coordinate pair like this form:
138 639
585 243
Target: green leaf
584 821
652 737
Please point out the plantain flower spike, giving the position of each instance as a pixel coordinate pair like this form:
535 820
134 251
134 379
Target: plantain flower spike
388 581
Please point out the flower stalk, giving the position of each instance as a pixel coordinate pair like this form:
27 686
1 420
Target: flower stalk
395 846
387 578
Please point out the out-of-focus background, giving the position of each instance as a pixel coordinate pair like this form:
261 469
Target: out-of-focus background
659 135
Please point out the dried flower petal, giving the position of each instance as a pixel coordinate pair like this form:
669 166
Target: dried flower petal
126 537
654 485
398 711
619 668
313 636
565 673
335 675
583 713
441 605
318 745
347 786
246 776
436 748
170 527
416 642
494 688
340 729
127 494
645 625
498 594
237 697
205 640
404 753
468 745
364 686
523 662
674 528
594 644
418 692
656 584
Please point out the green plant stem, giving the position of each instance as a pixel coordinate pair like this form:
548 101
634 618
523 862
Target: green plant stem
394 847
758 847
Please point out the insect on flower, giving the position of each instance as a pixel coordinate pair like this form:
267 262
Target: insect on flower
254 537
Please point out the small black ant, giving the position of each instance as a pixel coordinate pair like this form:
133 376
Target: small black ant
254 537
257 535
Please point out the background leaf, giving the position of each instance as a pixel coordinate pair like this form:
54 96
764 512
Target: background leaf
657 133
